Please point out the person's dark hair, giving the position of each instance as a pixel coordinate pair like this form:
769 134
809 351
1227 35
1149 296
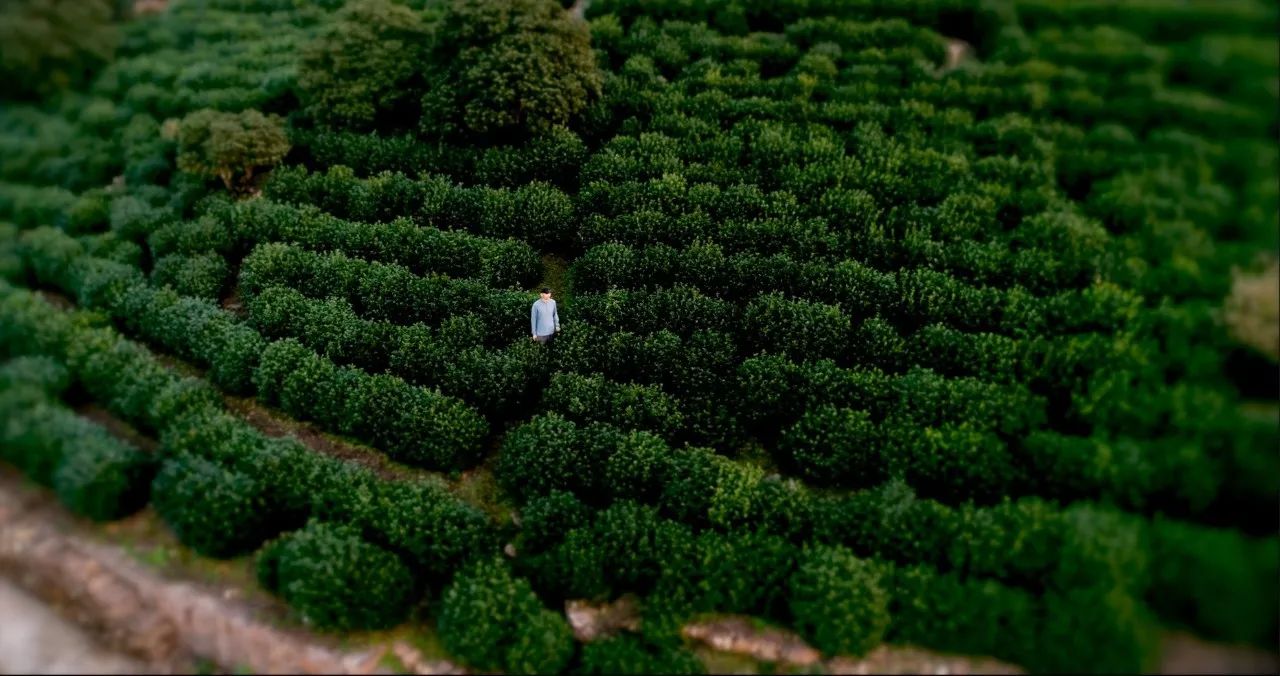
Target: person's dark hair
546 289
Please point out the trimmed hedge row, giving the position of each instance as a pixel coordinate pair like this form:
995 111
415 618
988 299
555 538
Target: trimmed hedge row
536 212
232 229
216 511
837 600
624 258
818 404
203 445
386 292
414 425
93 473
194 329
493 620
595 399
1027 543
335 579
200 276
910 298
498 382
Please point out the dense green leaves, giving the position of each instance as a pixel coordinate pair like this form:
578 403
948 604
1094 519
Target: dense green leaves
492 619
52 45
496 66
838 601
215 511
336 580
230 147
365 66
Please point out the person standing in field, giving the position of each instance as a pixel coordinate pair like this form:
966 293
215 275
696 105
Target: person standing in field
543 317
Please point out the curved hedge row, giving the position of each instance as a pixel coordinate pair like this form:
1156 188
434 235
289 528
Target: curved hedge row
595 399
235 228
493 620
909 298
837 600
1027 543
532 212
335 579
205 446
452 357
386 292
411 423
414 425
93 473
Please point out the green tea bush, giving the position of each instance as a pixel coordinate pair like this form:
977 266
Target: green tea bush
838 601
627 406
102 478
335 580
836 446
413 424
492 620
35 433
547 454
202 276
798 329
41 371
955 613
546 520
629 654
215 511
1218 580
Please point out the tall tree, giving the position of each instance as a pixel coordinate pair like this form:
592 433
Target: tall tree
49 45
507 66
363 70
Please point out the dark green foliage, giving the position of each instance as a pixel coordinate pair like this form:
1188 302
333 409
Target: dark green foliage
335 580
215 511
522 65
491 619
836 446
629 654
798 329
838 601
202 276
1097 630
363 68
52 45
1227 596
230 146
103 479
544 521
413 424
594 399
979 299
547 454
41 371
954 613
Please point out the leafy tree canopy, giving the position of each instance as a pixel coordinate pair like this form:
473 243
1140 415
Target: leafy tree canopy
230 146
507 65
363 70
48 45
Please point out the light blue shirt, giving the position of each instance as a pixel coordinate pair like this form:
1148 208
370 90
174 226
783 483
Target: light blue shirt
544 318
